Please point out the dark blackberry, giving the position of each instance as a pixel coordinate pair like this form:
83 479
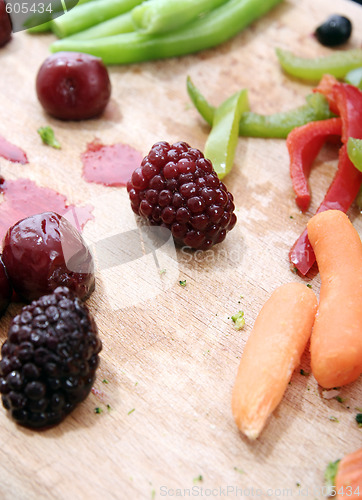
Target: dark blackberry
49 359
44 251
177 187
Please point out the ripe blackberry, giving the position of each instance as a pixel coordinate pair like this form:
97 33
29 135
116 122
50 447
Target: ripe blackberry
44 251
176 187
49 359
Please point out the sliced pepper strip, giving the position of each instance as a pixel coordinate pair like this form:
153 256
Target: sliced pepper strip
206 110
354 150
340 196
338 64
222 140
277 125
347 181
354 77
304 144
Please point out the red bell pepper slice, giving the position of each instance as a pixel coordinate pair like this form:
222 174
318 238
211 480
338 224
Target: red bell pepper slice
304 144
347 100
340 196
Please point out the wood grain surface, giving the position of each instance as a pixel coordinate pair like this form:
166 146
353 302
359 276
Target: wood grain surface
170 353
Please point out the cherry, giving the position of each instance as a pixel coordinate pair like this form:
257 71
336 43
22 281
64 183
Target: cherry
73 86
5 25
5 289
45 251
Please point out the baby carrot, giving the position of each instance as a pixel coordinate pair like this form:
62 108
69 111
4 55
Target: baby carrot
336 341
272 352
349 476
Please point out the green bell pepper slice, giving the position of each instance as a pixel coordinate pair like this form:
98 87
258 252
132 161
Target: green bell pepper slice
277 125
354 150
338 64
354 77
222 141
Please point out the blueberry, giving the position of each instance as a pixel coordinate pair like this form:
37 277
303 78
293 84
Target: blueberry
336 30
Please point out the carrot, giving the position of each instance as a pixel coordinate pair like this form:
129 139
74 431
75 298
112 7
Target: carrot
272 352
336 341
349 476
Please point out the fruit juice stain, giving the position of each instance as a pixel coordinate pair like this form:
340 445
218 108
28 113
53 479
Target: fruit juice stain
11 152
23 198
110 165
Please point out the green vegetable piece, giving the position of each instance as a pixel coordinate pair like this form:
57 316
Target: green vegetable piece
48 137
222 141
203 107
114 26
239 320
41 28
279 125
338 64
205 32
359 419
354 150
160 16
182 283
90 14
354 77
330 475
358 199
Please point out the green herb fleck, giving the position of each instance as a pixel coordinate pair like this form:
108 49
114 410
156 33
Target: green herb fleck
333 419
238 470
339 399
109 407
48 137
291 217
198 479
131 411
162 271
98 410
304 373
239 320
359 419
309 285
105 381
182 283
330 474
153 494
295 270
298 485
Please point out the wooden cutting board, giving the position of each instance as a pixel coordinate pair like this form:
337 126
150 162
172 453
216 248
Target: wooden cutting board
171 353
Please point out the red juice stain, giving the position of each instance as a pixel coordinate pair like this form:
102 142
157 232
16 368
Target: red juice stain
110 165
11 152
22 198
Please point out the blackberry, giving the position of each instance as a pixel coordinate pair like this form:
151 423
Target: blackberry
49 359
177 187
44 251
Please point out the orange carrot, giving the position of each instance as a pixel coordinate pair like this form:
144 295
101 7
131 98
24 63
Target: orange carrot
336 342
349 476
272 352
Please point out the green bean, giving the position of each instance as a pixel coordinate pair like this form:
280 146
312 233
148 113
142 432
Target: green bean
48 26
208 31
160 16
90 14
114 26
